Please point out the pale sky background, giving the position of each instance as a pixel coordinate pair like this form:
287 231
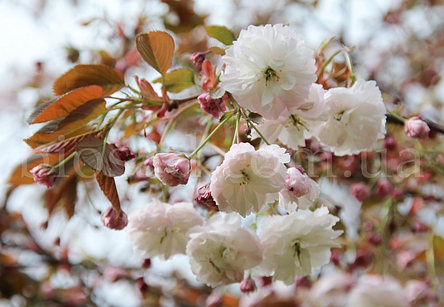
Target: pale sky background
27 37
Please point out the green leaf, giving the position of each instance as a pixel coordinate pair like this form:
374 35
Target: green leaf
216 94
157 49
217 50
221 33
84 75
177 80
65 104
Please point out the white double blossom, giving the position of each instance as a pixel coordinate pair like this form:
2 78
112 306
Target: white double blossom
356 119
297 243
160 229
295 129
300 191
248 179
269 70
221 251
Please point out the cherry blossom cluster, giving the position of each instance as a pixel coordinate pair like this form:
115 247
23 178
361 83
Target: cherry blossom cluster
269 71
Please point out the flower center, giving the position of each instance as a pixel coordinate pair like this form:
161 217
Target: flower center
338 116
246 179
270 73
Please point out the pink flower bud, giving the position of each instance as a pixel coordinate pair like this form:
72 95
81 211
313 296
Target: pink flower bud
360 191
375 239
172 169
416 128
112 221
248 285
303 282
383 188
142 286
297 183
205 199
214 300
146 263
210 105
43 175
198 58
125 154
115 273
265 280
362 260
301 169
389 143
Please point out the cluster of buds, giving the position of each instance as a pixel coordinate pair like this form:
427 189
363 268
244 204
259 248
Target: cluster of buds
210 105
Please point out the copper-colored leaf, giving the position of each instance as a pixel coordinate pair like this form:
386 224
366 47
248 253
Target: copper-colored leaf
64 192
106 160
69 196
84 75
69 126
65 104
157 49
65 147
108 187
21 174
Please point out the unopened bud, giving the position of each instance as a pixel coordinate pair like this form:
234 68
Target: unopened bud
360 191
416 128
383 188
115 273
205 199
112 221
389 143
375 239
265 280
297 182
248 285
198 58
172 169
303 282
211 105
214 300
301 169
362 260
142 286
125 153
43 175
146 263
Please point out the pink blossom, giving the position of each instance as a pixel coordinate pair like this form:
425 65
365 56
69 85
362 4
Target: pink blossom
416 128
211 105
360 191
112 221
43 175
172 169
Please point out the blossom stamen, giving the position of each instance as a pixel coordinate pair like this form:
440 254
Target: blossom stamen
270 73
